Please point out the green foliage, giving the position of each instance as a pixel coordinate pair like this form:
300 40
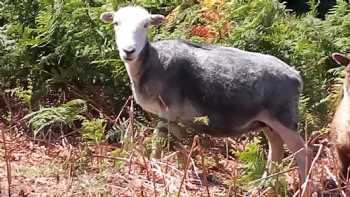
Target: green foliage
60 43
64 114
253 160
279 185
24 95
304 111
119 153
204 120
94 130
113 135
48 46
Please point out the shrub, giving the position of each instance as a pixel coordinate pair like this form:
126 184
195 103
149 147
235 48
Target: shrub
49 47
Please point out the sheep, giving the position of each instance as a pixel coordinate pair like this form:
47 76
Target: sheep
237 90
340 126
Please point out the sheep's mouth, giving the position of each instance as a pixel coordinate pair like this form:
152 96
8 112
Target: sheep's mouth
128 58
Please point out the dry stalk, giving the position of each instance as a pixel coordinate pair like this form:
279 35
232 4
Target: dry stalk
226 147
154 184
337 169
305 184
165 183
130 162
131 115
194 143
112 158
71 168
205 173
196 171
157 168
273 175
148 172
337 189
322 181
145 163
122 110
7 159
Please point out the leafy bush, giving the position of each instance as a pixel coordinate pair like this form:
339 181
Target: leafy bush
48 47
53 44
94 130
253 160
65 114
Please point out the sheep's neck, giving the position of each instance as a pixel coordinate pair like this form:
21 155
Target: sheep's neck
134 72
136 68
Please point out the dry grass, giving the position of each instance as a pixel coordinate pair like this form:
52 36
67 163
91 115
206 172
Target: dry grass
39 169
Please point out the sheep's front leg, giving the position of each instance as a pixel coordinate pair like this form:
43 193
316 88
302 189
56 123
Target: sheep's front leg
161 137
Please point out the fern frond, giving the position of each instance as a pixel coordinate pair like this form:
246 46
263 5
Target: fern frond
66 114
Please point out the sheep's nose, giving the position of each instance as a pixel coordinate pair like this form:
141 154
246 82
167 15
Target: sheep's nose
128 51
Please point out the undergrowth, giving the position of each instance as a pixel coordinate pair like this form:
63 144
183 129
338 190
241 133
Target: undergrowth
61 63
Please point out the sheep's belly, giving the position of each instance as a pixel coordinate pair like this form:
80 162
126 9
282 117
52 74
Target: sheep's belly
149 106
185 112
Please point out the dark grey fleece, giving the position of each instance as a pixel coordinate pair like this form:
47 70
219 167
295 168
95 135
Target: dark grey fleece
228 85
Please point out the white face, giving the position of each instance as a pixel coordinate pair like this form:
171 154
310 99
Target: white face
131 27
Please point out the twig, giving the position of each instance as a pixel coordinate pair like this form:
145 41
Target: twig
130 161
6 154
196 171
273 175
122 109
194 143
334 179
336 189
305 184
7 160
113 158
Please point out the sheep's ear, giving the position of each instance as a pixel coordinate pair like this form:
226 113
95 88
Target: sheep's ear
157 19
107 17
341 59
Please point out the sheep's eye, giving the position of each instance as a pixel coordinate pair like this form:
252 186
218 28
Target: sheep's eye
145 25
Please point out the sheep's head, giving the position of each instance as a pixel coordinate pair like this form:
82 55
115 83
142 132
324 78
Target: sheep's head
130 26
344 61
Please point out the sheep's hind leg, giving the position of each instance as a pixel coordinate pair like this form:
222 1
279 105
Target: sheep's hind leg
296 144
275 154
